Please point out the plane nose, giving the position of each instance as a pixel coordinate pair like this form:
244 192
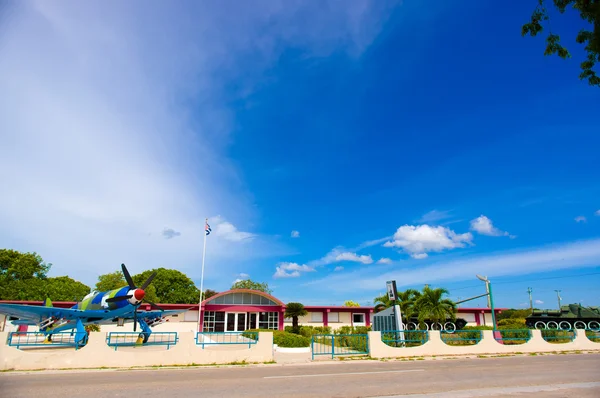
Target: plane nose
139 294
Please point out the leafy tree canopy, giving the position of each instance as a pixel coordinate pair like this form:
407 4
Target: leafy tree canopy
249 284
208 293
23 276
111 281
63 288
15 265
589 11
513 314
169 286
350 303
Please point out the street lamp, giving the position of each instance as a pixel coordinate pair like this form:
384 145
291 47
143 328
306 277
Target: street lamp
488 287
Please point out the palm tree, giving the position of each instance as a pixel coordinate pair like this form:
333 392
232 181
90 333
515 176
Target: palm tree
407 300
295 310
381 303
432 305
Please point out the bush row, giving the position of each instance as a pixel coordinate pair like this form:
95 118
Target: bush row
283 338
309 331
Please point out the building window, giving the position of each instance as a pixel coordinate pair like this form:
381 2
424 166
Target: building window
358 319
316 317
268 320
214 321
333 317
242 299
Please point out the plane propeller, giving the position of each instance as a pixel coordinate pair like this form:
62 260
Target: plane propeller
135 292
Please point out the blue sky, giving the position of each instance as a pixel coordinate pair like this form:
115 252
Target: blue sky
421 144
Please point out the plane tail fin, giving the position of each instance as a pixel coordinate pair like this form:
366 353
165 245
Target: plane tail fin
47 302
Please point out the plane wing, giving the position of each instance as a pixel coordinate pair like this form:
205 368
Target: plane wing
36 314
154 314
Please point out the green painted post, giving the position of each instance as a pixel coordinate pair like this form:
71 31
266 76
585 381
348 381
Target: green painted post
332 345
492 305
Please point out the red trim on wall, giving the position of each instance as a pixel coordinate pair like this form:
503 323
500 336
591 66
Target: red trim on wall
242 308
257 292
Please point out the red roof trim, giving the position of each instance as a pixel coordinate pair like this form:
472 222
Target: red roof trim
258 292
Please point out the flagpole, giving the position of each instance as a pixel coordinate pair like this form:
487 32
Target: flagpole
202 278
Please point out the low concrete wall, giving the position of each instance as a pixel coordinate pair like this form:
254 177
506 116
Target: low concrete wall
97 354
487 345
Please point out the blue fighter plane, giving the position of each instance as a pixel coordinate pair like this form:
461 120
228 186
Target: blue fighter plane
95 308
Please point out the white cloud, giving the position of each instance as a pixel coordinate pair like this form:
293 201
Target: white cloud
484 226
115 124
341 254
347 256
242 275
580 219
597 212
228 231
295 234
419 256
418 240
291 270
370 243
539 302
433 216
338 268
384 260
516 262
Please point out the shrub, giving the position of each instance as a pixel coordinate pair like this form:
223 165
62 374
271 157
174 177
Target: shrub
292 329
283 338
512 323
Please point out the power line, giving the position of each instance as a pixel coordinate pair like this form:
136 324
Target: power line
528 280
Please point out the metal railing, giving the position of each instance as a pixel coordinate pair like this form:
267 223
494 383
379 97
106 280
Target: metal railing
558 336
135 339
226 338
461 337
33 339
512 336
404 338
339 344
593 335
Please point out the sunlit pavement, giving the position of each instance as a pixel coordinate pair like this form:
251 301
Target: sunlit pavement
571 375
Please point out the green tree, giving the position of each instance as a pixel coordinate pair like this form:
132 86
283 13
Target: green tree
431 305
64 288
381 303
169 286
407 301
111 281
208 293
22 275
350 303
295 310
589 10
513 314
249 284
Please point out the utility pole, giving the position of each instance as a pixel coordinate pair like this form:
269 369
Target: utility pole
530 302
558 296
489 296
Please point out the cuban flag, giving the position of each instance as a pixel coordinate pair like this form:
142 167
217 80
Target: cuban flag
207 228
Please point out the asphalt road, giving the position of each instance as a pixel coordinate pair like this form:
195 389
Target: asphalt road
576 375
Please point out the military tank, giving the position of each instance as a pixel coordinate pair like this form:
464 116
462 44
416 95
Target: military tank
571 316
448 326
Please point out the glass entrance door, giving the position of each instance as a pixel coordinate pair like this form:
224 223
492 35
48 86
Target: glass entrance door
241 322
235 322
230 322
253 317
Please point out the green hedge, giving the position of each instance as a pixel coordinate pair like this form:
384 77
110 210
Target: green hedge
283 338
